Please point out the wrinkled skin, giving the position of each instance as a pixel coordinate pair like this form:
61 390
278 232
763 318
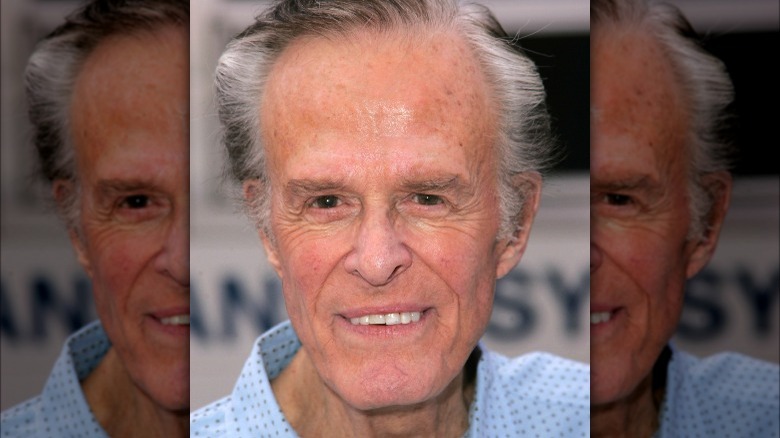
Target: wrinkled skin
641 253
129 118
384 199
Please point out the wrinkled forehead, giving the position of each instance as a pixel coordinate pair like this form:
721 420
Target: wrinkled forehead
636 94
379 86
132 95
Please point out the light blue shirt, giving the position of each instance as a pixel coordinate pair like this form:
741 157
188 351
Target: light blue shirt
61 410
726 395
533 395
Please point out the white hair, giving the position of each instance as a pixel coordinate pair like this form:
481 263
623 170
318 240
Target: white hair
524 139
54 66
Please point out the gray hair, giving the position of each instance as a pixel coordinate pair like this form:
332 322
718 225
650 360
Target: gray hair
702 77
524 139
55 64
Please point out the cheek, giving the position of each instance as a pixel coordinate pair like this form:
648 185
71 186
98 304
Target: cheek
471 278
307 267
648 273
636 251
650 260
118 259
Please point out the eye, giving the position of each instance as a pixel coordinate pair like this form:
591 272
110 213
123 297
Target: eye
135 202
139 207
617 199
426 199
327 201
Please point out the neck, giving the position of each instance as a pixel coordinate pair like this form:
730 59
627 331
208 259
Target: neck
632 416
313 409
122 409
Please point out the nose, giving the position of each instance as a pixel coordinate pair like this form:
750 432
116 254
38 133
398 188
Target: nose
379 254
173 260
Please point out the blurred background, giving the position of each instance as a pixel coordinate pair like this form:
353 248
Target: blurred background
44 293
733 303
541 305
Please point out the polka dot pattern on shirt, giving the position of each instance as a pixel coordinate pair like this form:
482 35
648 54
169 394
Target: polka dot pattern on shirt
61 409
539 394
726 395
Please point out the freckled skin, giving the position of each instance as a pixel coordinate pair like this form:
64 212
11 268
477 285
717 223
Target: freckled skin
640 254
381 116
130 128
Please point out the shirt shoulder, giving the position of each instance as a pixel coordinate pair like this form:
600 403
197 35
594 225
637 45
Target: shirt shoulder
727 393
541 376
537 394
61 409
209 421
251 408
20 420
739 378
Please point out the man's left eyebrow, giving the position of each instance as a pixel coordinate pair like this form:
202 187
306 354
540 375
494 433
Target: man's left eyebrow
444 184
108 186
626 184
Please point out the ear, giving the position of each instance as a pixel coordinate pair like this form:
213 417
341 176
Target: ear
718 187
63 192
253 190
512 249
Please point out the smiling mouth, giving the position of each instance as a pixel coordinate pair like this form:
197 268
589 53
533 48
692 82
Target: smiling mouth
387 319
176 320
600 317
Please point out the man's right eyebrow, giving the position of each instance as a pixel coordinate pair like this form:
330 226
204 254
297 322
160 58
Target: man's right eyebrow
644 186
442 184
304 187
114 186
639 183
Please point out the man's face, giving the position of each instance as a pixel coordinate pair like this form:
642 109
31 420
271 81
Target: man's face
384 202
130 120
640 256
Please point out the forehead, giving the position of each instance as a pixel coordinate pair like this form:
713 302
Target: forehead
639 114
131 95
378 87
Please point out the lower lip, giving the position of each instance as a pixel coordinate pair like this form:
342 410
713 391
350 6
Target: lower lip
177 330
604 328
387 331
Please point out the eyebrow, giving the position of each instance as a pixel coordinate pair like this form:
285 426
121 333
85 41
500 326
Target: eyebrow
302 187
643 183
113 186
444 184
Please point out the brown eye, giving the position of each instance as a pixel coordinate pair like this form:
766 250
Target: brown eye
328 201
617 199
136 201
425 199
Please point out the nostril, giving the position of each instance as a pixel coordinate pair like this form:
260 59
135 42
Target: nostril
397 271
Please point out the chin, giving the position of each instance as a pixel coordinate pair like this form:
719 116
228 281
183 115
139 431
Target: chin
389 389
602 396
377 401
609 388
174 401
170 391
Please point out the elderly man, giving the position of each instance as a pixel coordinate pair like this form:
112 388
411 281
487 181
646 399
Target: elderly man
108 94
388 151
659 192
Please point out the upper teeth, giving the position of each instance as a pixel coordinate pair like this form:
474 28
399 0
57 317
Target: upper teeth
176 320
387 318
598 317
